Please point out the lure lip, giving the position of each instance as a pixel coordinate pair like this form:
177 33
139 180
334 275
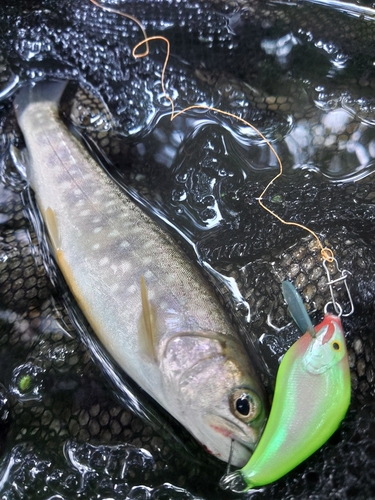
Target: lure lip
297 309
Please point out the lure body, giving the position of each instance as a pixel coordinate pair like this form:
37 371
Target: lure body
312 396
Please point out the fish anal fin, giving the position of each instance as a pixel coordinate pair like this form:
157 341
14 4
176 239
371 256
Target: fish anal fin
147 324
53 231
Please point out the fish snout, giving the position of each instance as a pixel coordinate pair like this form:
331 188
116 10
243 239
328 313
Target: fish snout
238 436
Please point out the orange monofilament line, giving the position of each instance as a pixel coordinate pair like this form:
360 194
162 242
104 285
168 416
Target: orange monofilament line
326 253
129 16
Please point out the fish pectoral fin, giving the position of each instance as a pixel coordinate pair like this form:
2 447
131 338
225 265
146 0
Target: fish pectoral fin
147 324
53 232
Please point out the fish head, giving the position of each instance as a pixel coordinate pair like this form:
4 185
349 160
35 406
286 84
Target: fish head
328 348
217 395
238 418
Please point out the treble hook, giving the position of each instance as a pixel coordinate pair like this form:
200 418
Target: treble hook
344 274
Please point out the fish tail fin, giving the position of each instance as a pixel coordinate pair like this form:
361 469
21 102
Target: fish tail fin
50 92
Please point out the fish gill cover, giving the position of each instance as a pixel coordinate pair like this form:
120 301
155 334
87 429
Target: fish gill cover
304 76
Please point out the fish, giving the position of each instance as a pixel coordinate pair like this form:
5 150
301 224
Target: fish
149 306
312 397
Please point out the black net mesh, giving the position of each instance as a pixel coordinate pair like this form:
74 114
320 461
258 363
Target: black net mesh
303 74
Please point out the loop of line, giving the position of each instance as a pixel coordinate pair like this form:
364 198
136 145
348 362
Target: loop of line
326 253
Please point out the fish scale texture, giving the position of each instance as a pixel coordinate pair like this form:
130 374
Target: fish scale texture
62 429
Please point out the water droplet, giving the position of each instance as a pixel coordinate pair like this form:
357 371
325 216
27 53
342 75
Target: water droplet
179 195
208 214
242 308
182 177
29 49
7 88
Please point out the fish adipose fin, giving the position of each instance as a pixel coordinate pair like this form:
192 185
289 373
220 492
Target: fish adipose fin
147 324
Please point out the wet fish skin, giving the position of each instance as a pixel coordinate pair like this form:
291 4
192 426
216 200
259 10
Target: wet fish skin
195 365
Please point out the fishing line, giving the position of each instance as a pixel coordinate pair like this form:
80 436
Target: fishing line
326 253
129 16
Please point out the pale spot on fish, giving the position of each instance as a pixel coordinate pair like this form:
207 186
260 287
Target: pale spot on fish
97 229
114 233
84 213
146 261
149 275
125 244
65 185
148 244
163 305
96 246
125 266
104 261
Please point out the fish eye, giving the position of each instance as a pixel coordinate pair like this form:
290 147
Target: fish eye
245 405
336 345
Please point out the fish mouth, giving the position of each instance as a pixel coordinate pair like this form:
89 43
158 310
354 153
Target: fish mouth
240 444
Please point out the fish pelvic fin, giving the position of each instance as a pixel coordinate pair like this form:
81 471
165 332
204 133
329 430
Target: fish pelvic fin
147 324
52 227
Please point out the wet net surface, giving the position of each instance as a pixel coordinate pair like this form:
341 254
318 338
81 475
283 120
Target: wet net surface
304 77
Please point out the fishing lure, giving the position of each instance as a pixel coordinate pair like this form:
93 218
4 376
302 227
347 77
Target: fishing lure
312 396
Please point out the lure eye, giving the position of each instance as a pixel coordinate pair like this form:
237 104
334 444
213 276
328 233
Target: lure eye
336 346
245 406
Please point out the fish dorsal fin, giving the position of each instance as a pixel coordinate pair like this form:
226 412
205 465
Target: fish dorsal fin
147 324
53 231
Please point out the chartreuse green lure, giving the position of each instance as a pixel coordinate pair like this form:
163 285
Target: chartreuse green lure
312 396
